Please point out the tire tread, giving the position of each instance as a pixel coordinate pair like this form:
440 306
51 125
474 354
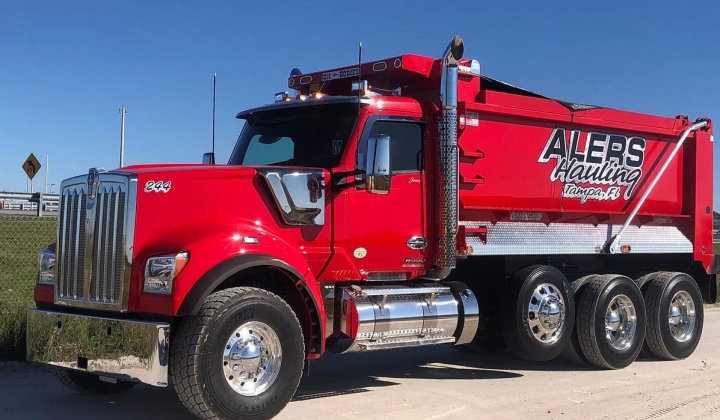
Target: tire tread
586 322
653 339
573 352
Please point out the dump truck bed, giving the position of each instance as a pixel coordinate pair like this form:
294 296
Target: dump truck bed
539 176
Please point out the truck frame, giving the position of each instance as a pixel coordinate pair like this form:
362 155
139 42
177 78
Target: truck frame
404 202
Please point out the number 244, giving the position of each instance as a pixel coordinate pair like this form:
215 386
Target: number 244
158 186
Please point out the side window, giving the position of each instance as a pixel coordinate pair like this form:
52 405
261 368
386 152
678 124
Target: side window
406 139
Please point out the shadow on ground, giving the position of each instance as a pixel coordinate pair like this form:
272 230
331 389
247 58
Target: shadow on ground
356 373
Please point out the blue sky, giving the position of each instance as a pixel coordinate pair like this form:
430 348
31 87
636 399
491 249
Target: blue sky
66 67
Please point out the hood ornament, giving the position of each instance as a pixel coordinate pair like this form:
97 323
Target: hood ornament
93 182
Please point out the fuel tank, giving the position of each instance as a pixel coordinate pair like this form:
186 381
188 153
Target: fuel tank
384 317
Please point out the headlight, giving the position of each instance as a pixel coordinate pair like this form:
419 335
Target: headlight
161 271
46 267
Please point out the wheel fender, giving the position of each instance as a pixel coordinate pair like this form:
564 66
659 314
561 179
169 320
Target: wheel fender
215 258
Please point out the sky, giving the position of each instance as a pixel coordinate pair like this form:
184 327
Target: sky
67 67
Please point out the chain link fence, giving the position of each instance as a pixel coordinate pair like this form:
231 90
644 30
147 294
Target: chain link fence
21 240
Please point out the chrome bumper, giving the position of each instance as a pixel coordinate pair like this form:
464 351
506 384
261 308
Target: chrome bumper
134 351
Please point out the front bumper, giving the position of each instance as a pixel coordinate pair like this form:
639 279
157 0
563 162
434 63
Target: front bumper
129 350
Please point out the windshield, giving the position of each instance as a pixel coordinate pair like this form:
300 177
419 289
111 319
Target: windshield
310 136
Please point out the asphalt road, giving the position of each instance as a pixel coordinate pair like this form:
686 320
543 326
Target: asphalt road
430 383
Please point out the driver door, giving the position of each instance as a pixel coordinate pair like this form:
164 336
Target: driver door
386 231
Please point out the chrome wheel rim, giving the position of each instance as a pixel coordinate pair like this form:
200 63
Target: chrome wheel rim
546 314
681 316
620 322
252 358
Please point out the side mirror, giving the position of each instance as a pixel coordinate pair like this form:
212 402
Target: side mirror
378 167
209 158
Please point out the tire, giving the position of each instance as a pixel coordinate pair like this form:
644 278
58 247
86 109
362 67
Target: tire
664 292
573 351
533 295
249 322
492 344
88 383
643 283
604 294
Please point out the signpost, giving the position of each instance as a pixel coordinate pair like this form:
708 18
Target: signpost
31 166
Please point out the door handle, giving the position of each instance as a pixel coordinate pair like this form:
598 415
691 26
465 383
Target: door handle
417 243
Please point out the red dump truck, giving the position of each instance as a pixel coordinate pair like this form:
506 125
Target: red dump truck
410 201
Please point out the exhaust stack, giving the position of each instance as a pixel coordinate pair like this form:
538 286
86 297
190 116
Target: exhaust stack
449 157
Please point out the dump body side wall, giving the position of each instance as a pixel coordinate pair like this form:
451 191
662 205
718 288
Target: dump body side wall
521 158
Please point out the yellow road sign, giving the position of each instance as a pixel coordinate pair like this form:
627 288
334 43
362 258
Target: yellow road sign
31 166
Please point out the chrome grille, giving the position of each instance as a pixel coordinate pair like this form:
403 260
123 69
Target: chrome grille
71 244
94 238
108 246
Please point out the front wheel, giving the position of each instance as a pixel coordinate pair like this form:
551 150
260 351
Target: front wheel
241 356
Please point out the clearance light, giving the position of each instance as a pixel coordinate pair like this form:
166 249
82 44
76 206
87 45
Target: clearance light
281 96
625 249
359 85
318 95
369 94
302 97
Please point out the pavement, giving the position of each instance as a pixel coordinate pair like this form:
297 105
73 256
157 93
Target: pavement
429 383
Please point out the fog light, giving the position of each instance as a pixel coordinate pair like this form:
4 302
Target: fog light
46 267
160 272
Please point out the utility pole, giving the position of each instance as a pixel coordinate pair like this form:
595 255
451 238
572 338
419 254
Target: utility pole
123 112
46 172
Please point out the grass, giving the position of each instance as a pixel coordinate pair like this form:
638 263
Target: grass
21 239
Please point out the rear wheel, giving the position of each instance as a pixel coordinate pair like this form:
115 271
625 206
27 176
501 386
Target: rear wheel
611 321
539 314
88 383
241 356
675 315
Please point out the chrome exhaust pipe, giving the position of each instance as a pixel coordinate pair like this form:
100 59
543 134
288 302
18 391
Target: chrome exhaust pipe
449 158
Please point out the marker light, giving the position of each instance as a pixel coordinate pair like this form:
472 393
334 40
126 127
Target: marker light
359 85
